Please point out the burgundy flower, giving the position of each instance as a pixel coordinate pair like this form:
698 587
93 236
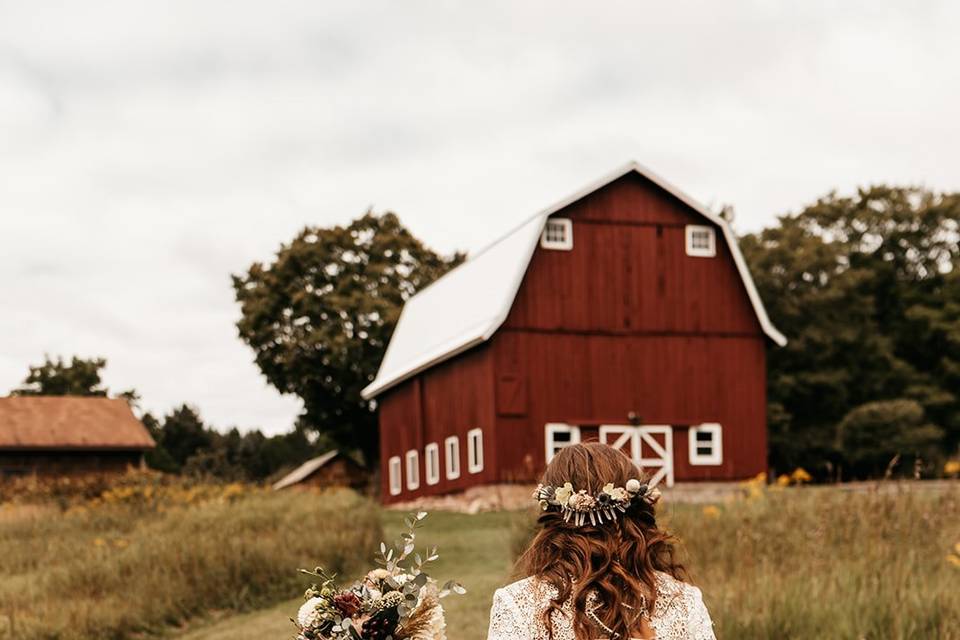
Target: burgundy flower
347 603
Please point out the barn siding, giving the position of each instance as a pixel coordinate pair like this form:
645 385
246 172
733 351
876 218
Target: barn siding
675 380
626 321
628 271
14 462
449 399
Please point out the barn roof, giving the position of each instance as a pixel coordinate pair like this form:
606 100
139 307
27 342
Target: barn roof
467 305
70 422
305 470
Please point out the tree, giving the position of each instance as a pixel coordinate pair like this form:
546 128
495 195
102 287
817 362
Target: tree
876 433
861 287
56 378
182 435
319 317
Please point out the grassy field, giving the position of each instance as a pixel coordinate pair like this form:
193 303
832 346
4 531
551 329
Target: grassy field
142 557
806 563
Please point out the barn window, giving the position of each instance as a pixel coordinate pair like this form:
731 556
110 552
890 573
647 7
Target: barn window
394 472
431 455
558 436
557 234
413 469
451 454
701 241
706 444
475 450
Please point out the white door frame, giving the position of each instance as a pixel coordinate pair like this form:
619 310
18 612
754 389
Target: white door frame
645 451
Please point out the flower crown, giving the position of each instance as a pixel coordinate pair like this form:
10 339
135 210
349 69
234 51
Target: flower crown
579 506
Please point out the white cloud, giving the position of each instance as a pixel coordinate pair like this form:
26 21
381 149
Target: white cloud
148 150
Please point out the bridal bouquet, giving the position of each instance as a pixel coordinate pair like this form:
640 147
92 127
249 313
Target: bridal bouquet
397 601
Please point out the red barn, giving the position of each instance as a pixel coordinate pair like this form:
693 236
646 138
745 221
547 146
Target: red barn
624 313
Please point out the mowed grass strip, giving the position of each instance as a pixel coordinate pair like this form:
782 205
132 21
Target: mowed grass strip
118 569
474 549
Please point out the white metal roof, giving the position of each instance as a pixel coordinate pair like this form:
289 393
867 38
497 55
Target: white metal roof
467 305
305 470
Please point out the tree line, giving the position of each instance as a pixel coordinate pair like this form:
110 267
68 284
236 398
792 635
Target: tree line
867 290
865 287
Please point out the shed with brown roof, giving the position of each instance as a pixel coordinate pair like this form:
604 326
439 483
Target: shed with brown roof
55 435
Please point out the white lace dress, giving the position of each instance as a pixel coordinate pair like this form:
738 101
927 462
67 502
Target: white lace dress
679 612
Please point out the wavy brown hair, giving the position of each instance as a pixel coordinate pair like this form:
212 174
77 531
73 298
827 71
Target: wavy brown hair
615 561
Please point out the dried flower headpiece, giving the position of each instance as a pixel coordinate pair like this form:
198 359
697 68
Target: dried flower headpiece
579 507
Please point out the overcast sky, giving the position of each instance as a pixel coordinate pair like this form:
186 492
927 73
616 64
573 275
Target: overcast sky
149 150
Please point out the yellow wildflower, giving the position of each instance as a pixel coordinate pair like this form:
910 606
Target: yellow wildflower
800 475
711 511
952 468
783 480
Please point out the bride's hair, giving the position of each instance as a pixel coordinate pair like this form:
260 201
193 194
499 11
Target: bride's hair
616 560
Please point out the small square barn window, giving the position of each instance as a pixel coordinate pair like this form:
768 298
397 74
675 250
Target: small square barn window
431 455
413 469
475 450
701 241
558 436
451 454
557 234
706 444
393 468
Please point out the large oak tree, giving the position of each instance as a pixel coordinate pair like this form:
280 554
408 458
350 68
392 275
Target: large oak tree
320 315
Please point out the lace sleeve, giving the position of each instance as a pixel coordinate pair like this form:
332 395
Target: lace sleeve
505 623
699 624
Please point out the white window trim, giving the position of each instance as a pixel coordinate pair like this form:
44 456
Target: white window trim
451 455
431 459
413 469
716 456
393 469
554 428
567 243
475 453
701 252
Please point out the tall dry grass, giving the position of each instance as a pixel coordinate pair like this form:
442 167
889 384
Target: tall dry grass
137 560
815 563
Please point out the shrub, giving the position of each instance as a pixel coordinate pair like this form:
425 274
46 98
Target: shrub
871 435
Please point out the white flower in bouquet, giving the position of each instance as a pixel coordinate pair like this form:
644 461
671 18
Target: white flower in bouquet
309 614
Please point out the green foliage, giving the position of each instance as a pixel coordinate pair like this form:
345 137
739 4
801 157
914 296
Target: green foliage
319 317
185 444
866 290
79 377
871 435
183 434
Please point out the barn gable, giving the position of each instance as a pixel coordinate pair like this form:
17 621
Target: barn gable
468 305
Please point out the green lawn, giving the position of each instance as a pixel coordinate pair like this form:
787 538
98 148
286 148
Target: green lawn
474 549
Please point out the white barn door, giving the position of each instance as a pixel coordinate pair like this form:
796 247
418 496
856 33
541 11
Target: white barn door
649 446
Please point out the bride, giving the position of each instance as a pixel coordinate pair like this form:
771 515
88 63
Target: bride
598 567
